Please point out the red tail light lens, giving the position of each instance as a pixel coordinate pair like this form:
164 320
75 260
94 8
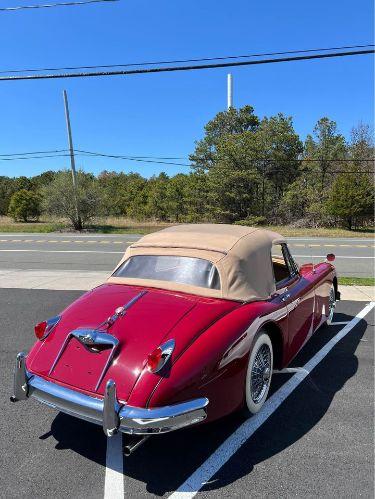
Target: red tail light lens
43 329
40 329
160 356
154 359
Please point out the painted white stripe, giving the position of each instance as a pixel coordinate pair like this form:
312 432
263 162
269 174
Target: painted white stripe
56 251
231 445
291 370
114 472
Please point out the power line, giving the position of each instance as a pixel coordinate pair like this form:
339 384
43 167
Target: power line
127 158
141 159
123 156
35 157
34 152
180 61
185 68
56 153
49 5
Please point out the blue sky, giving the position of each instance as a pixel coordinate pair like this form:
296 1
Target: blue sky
163 114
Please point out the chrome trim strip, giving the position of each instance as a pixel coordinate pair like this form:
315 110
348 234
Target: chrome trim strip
121 311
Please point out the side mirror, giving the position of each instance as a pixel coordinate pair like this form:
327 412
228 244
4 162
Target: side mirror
330 257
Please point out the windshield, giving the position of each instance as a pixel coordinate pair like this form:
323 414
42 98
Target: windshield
181 269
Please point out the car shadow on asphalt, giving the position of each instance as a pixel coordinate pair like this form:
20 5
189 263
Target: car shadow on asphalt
164 462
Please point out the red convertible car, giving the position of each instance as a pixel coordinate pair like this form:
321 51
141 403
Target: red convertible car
188 328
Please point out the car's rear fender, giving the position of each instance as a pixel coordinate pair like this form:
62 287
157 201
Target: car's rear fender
214 366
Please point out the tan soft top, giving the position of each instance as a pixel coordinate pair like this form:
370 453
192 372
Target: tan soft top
242 256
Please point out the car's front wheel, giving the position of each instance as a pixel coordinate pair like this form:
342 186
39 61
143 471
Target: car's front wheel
259 373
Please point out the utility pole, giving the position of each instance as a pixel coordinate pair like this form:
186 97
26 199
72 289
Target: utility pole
229 91
72 161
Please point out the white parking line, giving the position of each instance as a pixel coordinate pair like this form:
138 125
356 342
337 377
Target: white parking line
114 473
291 370
231 445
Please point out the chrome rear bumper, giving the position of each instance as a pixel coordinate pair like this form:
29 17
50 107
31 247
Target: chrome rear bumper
107 412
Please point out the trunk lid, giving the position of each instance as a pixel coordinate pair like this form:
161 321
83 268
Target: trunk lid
155 316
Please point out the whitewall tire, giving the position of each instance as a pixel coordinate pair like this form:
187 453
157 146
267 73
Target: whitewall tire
259 373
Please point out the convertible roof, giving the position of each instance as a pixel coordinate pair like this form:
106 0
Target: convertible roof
242 256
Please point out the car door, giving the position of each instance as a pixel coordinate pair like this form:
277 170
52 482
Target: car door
297 293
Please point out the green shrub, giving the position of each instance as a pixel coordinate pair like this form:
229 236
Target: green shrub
24 206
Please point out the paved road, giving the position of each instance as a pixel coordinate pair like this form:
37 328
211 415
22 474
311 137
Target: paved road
318 443
355 257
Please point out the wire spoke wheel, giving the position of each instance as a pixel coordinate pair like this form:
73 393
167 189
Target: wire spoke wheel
260 373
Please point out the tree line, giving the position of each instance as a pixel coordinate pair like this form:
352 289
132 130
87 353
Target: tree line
244 170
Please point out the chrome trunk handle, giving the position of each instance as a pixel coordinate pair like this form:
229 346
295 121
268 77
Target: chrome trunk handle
90 337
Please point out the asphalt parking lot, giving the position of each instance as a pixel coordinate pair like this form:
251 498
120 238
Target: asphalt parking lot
318 443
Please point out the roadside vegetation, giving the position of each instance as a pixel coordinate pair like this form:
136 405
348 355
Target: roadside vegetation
245 170
357 281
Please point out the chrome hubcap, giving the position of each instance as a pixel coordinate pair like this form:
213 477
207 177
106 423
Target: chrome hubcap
260 373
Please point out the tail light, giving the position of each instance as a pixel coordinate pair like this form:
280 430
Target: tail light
43 329
160 356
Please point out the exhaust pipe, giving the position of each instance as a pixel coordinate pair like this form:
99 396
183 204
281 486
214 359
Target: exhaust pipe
133 444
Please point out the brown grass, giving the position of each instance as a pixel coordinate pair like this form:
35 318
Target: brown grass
115 225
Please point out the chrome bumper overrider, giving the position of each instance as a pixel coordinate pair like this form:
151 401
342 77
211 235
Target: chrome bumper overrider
107 412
